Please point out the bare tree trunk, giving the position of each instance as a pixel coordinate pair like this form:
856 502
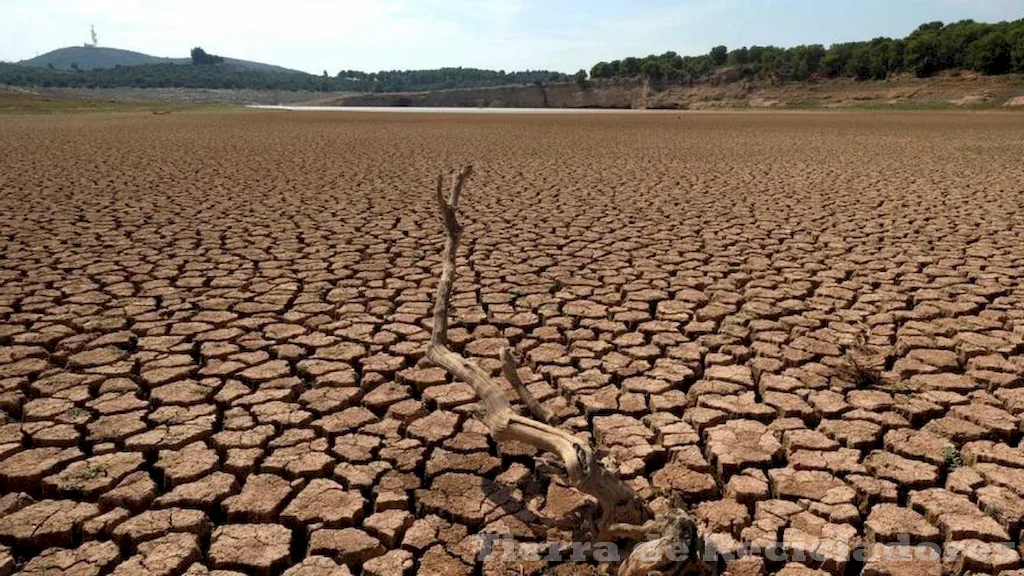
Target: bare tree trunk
623 515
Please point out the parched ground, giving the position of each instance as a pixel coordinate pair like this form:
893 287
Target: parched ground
210 325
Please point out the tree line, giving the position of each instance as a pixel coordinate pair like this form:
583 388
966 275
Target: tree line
440 79
931 48
210 71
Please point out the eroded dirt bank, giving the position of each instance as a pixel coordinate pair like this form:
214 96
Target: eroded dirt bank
947 92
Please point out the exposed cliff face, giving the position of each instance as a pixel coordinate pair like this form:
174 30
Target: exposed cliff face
527 96
951 91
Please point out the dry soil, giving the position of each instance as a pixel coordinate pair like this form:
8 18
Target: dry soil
210 325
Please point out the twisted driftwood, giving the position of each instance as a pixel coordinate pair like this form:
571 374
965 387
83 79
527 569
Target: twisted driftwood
623 515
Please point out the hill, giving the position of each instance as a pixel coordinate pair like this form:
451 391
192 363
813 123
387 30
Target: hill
101 58
90 58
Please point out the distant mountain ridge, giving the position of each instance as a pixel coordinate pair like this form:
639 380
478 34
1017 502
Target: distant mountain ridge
96 57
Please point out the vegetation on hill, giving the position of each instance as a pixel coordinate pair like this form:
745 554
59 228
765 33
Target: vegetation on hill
934 47
92 57
966 45
439 79
224 75
207 72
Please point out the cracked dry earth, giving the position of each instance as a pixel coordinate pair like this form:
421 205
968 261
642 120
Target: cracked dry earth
210 327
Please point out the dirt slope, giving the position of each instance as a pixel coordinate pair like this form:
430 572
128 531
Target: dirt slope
970 91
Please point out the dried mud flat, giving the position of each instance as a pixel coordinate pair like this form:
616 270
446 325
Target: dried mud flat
210 326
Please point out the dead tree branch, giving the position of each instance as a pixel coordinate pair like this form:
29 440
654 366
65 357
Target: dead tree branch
508 368
621 510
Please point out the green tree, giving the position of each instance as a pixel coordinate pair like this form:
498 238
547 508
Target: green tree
671 61
955 41
933 26
652 70
1016 40
839 60
719 55
738 57
580 78
922 55
754 55
991 54
629 67
815 52
201 58
863 68
801 69
602 70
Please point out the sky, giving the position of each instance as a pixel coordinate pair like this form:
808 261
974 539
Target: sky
563 35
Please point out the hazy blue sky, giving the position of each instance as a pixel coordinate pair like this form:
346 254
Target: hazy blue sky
314 35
